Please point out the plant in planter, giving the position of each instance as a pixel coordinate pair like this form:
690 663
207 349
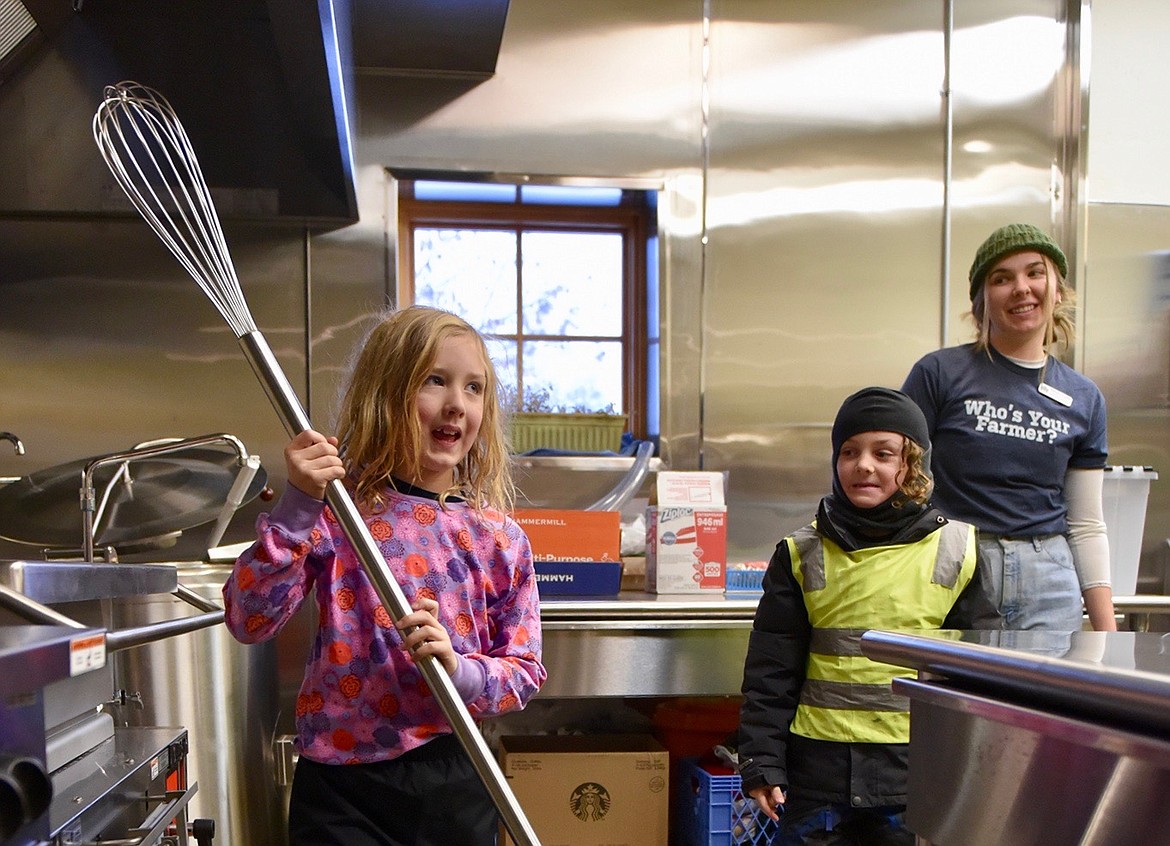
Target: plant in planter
539 423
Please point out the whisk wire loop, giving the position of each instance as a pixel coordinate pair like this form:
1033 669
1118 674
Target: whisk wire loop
150 155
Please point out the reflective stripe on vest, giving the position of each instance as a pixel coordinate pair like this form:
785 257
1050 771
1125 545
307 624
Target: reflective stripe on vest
846 696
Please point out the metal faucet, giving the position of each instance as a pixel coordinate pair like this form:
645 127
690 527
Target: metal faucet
8 436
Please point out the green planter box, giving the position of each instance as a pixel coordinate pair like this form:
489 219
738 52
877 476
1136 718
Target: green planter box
571 432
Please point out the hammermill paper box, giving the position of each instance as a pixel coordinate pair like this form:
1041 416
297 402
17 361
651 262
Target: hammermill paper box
590 790
686 533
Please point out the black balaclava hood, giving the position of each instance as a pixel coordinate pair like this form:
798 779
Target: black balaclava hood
872 410
878 410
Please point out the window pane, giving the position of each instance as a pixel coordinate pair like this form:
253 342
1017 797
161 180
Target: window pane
478 192
572 283
565 195
502 352
576 373
471 272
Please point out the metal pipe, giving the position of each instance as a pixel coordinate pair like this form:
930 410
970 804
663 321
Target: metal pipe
33 611
16 444
948 171
295 420
1137 609
192 598
625 489
142 635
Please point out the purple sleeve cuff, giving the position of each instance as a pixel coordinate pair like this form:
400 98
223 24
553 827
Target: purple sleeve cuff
295 513
470 679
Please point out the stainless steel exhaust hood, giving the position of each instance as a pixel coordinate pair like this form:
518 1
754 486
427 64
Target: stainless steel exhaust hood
263 87
454 39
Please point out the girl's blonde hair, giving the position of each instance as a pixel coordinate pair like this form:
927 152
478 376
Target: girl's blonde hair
378 428
917 484
1061 327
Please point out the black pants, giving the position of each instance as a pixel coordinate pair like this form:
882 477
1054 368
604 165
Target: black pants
431 796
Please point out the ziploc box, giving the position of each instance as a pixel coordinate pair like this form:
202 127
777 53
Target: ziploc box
686 533
590 790
575 553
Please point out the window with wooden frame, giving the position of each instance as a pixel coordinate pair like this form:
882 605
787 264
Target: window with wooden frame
560 279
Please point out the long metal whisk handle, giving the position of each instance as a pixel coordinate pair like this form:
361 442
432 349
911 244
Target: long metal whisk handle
289 408
166 186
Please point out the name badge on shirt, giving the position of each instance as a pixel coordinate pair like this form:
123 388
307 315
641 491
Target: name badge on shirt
1055 394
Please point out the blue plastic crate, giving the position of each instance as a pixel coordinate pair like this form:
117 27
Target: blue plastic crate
713 811
744 581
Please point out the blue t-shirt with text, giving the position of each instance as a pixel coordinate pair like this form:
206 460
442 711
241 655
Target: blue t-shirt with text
1001 447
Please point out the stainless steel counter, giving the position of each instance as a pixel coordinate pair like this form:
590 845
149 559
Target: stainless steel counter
1028 738
644 644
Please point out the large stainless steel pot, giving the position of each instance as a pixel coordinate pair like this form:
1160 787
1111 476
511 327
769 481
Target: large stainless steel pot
224 693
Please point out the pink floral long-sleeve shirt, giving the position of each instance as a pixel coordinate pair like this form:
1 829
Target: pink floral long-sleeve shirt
363 698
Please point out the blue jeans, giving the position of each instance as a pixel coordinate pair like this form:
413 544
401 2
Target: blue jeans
842 825
1034 581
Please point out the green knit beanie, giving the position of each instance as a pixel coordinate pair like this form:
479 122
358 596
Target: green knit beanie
1013 238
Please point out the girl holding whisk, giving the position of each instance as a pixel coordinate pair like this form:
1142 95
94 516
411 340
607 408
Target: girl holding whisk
422 450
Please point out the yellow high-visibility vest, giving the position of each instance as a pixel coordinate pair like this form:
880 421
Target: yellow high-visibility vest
846 696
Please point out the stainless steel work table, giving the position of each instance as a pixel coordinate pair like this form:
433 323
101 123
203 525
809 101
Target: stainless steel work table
1027 738
645 644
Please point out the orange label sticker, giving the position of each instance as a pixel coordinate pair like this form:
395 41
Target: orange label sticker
87 653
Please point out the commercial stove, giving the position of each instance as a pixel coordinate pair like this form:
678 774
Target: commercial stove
76 766
130 787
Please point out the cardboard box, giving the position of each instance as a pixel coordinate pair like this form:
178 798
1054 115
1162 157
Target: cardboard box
578 578
700 488
561 535
686 534
590 790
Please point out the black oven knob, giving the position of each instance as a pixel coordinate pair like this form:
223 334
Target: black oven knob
203 830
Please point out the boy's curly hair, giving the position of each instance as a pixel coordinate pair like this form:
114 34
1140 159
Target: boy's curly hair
917 484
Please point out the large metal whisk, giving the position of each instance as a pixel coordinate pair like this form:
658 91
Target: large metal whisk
147 150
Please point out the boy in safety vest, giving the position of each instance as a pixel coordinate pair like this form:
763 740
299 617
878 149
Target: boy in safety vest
822 735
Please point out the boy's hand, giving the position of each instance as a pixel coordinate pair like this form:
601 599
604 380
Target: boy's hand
770 799
312 462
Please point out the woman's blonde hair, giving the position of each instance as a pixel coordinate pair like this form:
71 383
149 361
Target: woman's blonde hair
1061 326
917 484
378 428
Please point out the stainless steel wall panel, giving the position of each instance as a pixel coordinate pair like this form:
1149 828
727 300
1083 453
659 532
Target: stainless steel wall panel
818 191
1008 60
225 692
348 285
824 227
1126 299
106 342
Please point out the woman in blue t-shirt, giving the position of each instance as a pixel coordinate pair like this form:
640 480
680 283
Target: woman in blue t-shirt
1019 438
